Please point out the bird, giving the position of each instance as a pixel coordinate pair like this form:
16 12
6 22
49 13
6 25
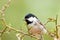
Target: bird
34 25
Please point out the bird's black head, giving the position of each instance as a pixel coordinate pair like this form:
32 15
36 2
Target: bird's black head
28 16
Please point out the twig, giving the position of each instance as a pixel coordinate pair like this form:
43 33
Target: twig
3 31
20 36
19 31
56 27
2 11
4 7
47 22
50 20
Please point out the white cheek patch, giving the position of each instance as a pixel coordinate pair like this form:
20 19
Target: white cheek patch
32 19
35 19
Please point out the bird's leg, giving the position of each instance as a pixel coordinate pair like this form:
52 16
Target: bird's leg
41 37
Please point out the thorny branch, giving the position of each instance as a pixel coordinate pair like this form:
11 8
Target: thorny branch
2 11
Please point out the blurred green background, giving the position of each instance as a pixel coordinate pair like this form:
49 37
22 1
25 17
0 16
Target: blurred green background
43 9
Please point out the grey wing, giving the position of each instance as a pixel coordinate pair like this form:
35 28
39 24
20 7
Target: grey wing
42 27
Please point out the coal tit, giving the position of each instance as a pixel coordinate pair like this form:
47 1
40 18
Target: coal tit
36 27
